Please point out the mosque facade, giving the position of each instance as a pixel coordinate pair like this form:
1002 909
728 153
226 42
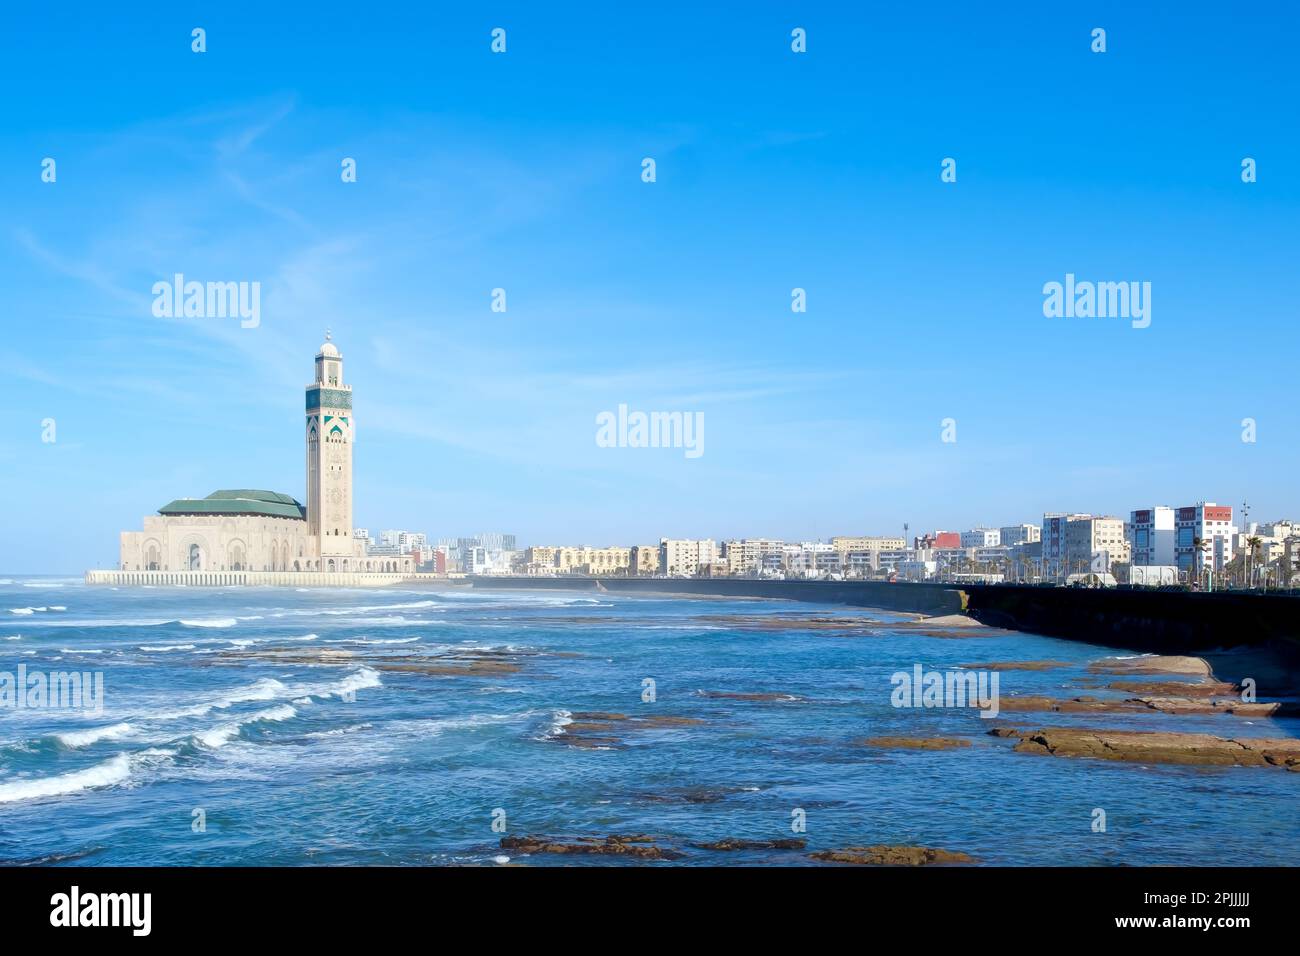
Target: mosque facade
251 530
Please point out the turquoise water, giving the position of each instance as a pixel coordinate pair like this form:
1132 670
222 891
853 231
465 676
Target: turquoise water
287 719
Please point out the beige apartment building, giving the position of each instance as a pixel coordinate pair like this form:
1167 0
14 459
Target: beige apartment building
846 543
748 556
578 559
645 559
1086 535
683 557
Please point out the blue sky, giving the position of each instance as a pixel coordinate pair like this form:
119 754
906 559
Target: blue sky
775 171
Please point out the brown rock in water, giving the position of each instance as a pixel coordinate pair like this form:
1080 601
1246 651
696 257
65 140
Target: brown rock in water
734 844
1156 664
1168 705
1226 705
917 743
1159 747
667 721
1174 688
473 668
885 855
598 730
639 846
1076 705
1006 732
588 727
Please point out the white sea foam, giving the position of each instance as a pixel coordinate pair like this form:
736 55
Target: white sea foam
361 680
338 731
166 647
268 688
106 774
211 622
559 720
23 610
218 737
80 650
84 738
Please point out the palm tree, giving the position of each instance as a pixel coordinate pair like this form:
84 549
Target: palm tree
1252 543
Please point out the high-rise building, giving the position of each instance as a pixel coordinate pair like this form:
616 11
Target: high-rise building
1089 536
1204 534
1054 555
1152 536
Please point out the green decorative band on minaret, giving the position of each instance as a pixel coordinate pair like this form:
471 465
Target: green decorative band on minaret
328 398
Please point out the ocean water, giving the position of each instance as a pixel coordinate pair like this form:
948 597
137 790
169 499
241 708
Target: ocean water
332 727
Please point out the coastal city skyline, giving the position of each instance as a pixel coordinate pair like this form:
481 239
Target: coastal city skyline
242 529
924 295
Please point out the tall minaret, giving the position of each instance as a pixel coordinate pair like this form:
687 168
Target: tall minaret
329 455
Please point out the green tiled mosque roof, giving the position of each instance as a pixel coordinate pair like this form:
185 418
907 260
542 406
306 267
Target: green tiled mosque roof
239 501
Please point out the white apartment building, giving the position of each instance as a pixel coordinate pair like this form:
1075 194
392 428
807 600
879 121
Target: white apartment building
981 538
1019 534
800 560
1152 536
1204 534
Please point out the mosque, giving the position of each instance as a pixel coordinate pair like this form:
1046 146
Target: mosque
245 530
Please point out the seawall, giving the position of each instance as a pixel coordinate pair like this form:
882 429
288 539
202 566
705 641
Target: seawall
920 598
1165 622
275 579
1171 622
